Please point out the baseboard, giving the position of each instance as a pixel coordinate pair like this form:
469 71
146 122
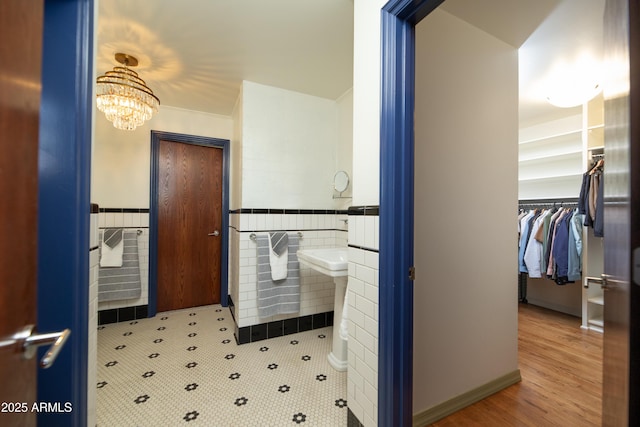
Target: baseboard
444 409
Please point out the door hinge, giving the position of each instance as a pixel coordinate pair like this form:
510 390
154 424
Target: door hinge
412 273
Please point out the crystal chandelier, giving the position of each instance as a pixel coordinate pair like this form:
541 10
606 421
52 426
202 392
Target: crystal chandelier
124 97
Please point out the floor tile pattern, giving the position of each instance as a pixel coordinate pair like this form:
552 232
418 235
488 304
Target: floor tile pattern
184 368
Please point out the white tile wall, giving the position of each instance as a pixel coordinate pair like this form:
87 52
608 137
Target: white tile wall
93 320
317 290
141 220
362 380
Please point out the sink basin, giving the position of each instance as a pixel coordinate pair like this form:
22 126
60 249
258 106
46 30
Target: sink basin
330 261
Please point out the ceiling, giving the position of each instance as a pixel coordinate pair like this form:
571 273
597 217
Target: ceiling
194 54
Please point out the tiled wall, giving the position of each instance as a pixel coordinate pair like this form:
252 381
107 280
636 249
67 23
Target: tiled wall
319 228
93 316
134 219
362 379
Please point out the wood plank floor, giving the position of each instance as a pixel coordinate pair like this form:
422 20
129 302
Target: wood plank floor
561 368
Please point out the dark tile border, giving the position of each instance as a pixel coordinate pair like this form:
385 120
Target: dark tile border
363 248
364 210
289 211
94 208
280 328
123 314
124 210
352 420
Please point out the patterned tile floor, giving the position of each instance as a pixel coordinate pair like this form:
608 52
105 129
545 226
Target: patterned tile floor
184 368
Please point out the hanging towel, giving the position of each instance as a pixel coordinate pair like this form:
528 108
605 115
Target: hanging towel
112 248
278 255
279 241
124 282
282 296
112 236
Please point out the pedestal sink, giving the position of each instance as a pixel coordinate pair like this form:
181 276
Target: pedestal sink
332 262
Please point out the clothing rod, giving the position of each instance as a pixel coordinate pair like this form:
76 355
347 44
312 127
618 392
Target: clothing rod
549 201
253 236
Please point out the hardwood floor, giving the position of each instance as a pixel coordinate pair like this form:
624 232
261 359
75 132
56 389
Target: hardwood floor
561 368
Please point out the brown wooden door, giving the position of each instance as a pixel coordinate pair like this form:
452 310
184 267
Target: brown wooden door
20 63
621 353
189 225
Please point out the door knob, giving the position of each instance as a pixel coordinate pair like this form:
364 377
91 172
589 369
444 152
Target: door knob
27 341
215 233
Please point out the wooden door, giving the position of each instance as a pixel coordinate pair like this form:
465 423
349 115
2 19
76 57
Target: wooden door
20 63
621 354
189 225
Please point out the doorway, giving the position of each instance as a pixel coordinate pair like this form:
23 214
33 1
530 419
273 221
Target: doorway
188 254
396 294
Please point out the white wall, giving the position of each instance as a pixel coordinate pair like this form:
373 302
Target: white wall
122 160
344 149
289 148
362 376
235 199
366 102
465 310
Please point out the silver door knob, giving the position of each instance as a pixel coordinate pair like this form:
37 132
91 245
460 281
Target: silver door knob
27 341
215 233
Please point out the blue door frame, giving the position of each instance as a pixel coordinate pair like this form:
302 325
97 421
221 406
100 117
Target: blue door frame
223 144
64 203
395 358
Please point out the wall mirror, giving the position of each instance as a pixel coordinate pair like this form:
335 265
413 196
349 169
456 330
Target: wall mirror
341 181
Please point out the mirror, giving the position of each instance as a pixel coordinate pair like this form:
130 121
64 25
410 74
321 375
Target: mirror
341 181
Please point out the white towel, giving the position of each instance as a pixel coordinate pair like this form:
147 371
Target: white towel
344 329
111 257
278 263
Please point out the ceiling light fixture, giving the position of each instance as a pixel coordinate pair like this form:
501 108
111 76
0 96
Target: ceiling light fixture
123 97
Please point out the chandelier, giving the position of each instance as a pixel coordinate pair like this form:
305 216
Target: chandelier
123 97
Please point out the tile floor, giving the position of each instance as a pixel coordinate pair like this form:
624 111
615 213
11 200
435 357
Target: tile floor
184 368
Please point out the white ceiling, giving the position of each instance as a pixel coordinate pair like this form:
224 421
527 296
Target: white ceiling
194 54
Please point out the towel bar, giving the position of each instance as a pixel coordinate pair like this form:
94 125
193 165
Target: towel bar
253 236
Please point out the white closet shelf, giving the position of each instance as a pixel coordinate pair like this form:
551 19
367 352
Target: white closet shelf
576 132
572 153
552 178
597 300
597 322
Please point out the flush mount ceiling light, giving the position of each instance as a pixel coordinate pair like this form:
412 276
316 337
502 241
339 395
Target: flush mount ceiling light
123 97
574 82
572 96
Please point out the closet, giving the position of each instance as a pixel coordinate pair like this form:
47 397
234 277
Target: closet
554 156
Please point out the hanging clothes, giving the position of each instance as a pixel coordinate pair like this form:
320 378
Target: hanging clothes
550 244
591 201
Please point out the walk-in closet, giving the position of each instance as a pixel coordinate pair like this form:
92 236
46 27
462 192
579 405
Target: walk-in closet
491 149
561 164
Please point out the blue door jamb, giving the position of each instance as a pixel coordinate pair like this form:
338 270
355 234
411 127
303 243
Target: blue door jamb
395 357
64 203
156 137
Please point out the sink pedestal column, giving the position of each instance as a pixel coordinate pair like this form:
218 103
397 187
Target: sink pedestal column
338 356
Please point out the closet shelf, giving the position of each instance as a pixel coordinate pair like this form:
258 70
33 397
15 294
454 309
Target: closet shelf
599 300
577 132
597 322
547 137
572 153
553 178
